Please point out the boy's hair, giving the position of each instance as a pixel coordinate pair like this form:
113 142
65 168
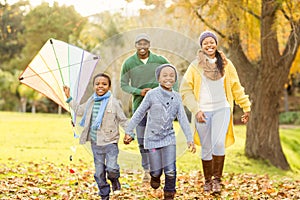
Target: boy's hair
102 75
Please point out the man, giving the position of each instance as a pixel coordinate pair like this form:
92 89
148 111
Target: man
137 78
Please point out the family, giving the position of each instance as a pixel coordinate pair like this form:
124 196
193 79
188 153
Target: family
209 88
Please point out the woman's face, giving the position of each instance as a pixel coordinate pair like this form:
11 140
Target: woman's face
209 47
101 85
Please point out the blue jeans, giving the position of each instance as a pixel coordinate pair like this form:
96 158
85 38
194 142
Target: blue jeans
164 159
105 160
140 132
212 133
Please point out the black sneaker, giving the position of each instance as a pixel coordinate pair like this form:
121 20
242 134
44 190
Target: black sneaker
155 182
116 185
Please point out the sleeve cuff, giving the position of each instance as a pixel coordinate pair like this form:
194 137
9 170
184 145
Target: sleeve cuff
131 135
69 99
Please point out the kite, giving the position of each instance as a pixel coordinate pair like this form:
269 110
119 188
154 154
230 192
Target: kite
57 64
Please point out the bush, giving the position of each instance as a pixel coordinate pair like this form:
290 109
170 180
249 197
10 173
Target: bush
289 118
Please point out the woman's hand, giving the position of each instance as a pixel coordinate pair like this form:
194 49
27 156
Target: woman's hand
245 117
192 147
200 117
67 91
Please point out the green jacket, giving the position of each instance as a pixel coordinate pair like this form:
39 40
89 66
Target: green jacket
135 75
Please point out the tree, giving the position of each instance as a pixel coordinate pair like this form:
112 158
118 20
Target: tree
44 22
262 43
10 27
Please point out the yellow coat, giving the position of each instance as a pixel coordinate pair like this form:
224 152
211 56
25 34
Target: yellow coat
190 90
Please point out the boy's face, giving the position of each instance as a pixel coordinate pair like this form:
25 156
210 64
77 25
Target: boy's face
167 78
101 85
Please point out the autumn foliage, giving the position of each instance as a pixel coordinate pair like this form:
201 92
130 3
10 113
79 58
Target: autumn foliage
46 180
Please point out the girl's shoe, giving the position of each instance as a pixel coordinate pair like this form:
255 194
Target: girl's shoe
169 195
155 182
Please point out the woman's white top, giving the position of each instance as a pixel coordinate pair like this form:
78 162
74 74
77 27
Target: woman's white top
212 94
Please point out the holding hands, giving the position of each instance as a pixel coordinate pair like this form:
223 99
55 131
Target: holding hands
127 139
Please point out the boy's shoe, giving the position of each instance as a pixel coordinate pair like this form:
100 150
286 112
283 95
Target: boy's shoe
155 182
116 186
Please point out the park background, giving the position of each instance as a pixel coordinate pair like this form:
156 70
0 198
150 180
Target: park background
260 37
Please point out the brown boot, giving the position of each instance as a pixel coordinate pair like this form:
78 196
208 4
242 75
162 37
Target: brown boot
169 195
155 182
218 163
207 171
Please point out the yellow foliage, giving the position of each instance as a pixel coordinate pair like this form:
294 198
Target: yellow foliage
296 64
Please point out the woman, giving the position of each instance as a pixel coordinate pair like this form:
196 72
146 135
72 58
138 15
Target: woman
208 89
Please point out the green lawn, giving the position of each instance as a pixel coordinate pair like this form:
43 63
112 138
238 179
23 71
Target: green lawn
29 137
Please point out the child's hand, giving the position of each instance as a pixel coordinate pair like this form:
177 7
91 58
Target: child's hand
192 147
67 91
127 139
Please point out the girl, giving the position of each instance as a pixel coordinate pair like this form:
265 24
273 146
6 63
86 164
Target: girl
102 114
208 89
163 105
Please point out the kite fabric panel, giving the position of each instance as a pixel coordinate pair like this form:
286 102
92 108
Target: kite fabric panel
58 64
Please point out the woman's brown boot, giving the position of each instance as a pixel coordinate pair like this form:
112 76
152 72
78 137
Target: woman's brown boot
218 163
207 171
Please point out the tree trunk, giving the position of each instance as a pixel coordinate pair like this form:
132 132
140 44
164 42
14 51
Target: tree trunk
59 110
23 104
262 139
286 101
33 108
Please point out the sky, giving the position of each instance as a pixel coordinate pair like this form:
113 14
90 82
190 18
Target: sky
90 7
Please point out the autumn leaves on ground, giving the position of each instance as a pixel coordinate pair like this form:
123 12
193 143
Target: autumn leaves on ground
46 180
35 164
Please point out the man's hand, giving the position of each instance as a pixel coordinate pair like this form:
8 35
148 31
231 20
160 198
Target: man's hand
144 91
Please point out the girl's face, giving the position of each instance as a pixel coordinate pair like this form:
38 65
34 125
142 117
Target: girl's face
209 47
167 78
101 85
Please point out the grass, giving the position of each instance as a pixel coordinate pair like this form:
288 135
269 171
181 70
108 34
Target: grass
36 138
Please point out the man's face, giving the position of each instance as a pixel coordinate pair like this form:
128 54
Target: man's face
142 47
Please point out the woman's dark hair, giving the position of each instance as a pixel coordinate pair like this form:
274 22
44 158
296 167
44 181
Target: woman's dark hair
102 75
220 65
